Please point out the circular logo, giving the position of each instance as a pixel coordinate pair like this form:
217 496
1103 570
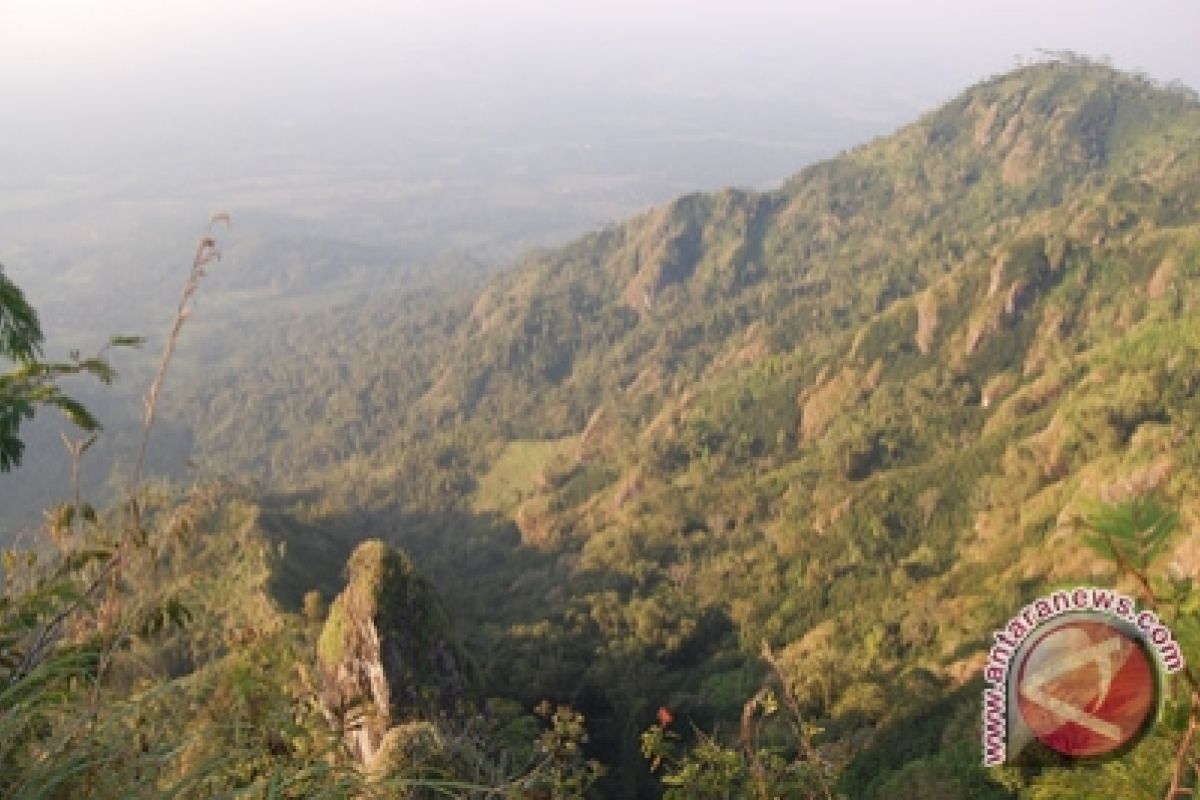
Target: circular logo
1086 688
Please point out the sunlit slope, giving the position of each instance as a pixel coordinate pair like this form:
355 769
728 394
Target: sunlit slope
852 416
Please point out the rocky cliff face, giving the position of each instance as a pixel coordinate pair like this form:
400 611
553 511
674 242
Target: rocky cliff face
385 655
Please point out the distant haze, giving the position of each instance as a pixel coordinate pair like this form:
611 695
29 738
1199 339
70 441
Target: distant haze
463 127
127 82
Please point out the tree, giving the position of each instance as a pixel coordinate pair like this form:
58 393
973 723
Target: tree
29 382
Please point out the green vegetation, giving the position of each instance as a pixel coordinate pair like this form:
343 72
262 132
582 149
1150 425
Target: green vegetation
144 655
33 382
857 419
519 469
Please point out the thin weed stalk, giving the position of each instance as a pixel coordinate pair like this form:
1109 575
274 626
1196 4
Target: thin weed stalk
206 253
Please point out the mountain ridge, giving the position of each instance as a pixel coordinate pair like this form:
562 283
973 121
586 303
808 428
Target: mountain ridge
853 417
749 416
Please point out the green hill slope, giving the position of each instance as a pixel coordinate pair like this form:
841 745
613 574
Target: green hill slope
852 417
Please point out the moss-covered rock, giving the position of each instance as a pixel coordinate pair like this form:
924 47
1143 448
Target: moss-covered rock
385 655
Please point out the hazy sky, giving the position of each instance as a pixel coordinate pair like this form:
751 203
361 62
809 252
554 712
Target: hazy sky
117 64
190 91
96 44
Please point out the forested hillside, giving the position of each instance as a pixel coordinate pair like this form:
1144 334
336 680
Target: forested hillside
852 421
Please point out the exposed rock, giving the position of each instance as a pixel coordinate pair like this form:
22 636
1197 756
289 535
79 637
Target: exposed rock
997 276
385 656
981 327
1020 164
927 320
985 124
1144 480
534 520
1053 447
823 404
826 517
874 374
1049 336
596 435
1016 293
997 387
630 487
665 253
751 349
1161 279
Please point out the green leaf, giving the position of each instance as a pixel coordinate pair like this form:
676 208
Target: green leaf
76 413
1136 531
127 341
20 331
1100 545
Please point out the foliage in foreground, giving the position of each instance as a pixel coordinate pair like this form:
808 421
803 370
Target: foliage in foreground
142 654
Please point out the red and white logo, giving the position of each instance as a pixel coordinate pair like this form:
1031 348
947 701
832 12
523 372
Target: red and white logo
1086 688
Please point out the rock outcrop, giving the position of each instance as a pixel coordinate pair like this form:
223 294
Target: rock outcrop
385 656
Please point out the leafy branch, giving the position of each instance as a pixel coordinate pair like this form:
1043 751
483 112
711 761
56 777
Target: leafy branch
32 382
1132 535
